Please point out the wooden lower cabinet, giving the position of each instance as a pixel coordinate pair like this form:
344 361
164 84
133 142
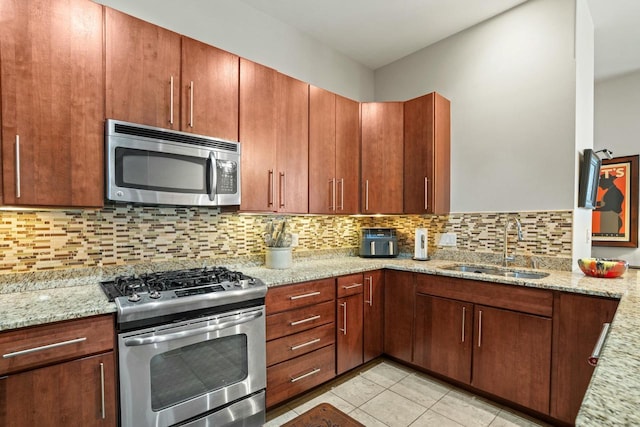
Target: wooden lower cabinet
578 321
77 393
290 378
512 356
373 314
443 336
399 296
349 336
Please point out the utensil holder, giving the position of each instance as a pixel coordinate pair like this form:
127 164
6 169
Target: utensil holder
278 258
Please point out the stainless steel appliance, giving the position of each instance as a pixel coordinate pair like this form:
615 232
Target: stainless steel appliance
191 348
378 242
151 165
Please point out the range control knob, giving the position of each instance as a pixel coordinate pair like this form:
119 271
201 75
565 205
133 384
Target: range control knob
154 294
242 283
134 297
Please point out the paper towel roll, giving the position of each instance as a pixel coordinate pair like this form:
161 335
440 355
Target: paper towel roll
420 251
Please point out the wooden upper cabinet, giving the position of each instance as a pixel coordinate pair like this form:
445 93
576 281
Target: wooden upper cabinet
173 82
382 157
209 93
142 72
292 153
334 153
427 134
257 136
52 103
274 136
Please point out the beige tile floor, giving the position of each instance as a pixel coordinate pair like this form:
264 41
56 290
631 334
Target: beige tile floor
384 393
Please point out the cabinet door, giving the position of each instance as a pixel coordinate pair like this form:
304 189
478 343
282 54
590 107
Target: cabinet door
349 333
347 155
512 356
52 103
398 314
443 337
427 155
382 158
209 93
142 72
322 151
258 136
78 393
373 314
292 101
578 320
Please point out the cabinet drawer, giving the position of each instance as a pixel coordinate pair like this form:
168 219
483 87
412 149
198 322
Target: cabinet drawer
294 376
42 345
291 322
511 297
301 343
350 285
287 297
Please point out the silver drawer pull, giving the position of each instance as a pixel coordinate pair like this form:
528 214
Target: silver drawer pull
310 294
103 411
355 285
299 346
43 348
303 376
309 319
595 355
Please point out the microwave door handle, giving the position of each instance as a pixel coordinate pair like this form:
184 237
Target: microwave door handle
212 176
154 339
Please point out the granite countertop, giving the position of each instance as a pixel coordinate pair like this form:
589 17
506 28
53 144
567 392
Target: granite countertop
613 396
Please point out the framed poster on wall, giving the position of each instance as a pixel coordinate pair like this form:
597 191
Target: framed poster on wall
615 217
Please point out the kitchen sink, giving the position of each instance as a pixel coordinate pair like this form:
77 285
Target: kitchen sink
496 271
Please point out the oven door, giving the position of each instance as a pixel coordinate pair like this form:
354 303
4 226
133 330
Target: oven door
195 368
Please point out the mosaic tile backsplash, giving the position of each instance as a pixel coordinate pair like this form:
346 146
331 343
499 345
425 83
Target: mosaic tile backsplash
33 241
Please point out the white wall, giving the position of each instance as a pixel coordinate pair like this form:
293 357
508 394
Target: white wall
581 247
511 81
235 27
617 127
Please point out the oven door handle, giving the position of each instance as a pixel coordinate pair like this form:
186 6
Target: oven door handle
154 339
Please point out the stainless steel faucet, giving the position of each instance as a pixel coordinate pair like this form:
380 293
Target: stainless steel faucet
509 258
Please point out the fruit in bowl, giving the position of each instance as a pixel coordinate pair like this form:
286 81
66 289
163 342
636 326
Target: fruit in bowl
602 267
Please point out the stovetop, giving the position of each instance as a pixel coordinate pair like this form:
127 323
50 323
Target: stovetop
163 296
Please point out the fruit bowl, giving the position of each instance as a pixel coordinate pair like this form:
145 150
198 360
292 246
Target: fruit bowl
602 267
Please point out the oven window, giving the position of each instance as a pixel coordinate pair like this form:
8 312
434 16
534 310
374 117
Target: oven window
181 374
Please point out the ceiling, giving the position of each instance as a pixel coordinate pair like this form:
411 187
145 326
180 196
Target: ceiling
378 32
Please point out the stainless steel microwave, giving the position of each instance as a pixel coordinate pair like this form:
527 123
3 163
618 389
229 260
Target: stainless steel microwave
150 165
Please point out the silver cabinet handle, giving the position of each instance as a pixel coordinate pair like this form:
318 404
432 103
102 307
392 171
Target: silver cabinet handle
310 294
595 354
344 315
299 346
464 317
171 100
355 285
373 248
308 374
104 412
332 206
426 193
17 166
43 348
283 188
366 195
341 194
270 189
370 280
191 90
479 328
308 319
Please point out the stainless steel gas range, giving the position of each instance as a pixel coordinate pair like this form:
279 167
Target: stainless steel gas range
191 348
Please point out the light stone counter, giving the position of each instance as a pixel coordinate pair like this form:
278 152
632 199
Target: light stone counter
613 397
